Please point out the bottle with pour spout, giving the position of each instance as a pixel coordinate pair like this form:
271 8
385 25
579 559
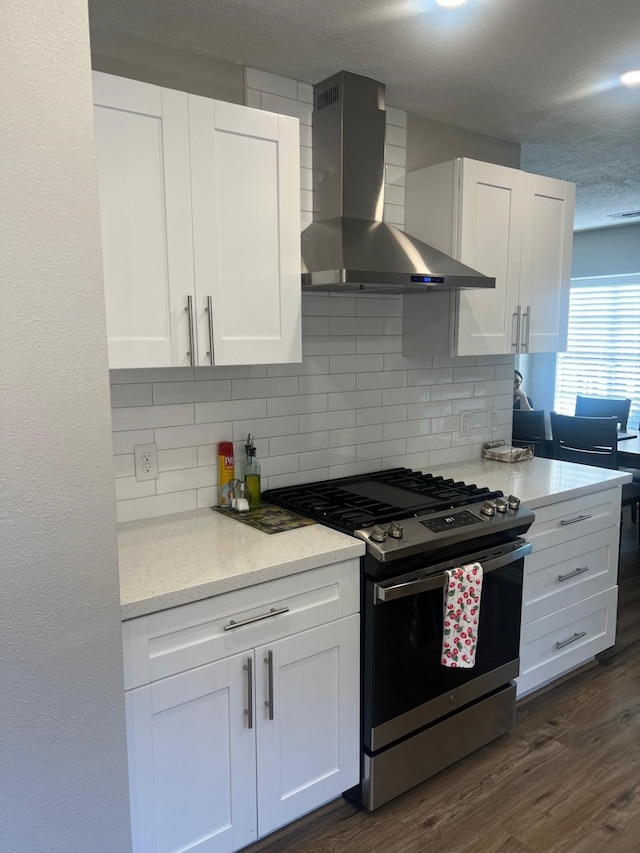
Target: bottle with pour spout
252 473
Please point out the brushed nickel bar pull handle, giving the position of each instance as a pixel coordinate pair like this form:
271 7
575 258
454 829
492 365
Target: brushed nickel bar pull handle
515 342
189 310
580 570
209 310
273 612
566 521
269 700
248 667
572 639
384 593
524 347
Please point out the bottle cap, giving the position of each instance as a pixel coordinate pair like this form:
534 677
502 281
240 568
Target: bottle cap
225 448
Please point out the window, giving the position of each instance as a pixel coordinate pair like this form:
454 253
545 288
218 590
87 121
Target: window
603 349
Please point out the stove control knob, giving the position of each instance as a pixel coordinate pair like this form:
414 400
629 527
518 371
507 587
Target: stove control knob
514 502
396 530
488 508
378 534
502 504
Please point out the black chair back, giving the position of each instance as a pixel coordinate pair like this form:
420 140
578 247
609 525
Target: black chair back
529 429
603 407
589 441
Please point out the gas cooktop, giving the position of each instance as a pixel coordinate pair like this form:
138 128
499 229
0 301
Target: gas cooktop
400 512
350 503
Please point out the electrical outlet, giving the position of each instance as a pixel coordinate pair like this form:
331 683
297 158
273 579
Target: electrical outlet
146 460
493 420
466 423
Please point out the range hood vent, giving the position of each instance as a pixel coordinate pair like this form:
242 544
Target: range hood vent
348 247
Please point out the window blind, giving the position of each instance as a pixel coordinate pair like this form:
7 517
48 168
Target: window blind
603 347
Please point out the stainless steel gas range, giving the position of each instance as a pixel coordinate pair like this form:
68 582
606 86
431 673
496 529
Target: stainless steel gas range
417 715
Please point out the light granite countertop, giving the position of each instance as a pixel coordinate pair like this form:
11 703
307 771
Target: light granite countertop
176 559
537 482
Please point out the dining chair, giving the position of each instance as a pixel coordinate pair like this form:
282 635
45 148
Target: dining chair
592 441
529 429
604 407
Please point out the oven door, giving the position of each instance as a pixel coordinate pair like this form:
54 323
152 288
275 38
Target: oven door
405 686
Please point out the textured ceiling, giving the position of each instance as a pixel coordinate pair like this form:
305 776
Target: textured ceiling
539 72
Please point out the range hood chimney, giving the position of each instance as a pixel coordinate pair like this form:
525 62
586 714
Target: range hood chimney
348 247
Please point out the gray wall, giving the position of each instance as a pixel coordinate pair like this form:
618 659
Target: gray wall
431 142
62 733
606 251
186 70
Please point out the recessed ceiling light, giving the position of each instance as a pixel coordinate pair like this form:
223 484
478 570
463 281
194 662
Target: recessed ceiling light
449 4
631 78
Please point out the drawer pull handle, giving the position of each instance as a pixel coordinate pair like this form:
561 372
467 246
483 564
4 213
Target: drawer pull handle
572 639
248 711
269 700
566 521
273 612
579 571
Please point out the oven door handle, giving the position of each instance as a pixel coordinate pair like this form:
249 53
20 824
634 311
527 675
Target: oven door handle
383 593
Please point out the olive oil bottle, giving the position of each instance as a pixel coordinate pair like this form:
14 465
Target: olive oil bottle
252 473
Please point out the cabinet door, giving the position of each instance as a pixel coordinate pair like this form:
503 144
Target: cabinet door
246 217
308 753
192 760
489 216
142 148
546 263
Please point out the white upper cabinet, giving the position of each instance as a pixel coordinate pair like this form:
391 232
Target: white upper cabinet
199 203
505 223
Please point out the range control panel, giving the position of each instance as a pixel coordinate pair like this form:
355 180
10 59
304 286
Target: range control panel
451 521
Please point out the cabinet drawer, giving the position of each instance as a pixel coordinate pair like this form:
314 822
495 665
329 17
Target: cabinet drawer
563 575
184 637
562 641
560 522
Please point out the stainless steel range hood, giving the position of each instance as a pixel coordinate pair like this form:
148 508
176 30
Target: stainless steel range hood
348 247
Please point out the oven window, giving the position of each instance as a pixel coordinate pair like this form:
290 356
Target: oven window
403 644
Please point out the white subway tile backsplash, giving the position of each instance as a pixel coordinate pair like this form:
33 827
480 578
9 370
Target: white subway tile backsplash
230 410
187 478
378 449
124 442
129 487
355 435
273 83
155 506
381 415
328 384
149 417
353 363
396 135
191 392
322 458
287 107
301 443
265 428
135 394
327 420
305 93
355 400
396 117
182 457
301 405
355 403
282 386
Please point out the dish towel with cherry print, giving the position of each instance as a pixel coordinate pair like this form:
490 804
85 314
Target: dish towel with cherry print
462 590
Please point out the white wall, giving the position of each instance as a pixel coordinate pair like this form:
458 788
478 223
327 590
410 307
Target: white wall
62 735
606 251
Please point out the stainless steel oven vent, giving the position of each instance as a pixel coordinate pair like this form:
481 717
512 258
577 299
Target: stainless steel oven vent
348 247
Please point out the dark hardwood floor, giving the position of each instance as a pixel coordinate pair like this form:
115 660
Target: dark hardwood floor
565 780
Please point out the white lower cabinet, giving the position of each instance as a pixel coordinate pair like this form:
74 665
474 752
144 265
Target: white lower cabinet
570 587
230 750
